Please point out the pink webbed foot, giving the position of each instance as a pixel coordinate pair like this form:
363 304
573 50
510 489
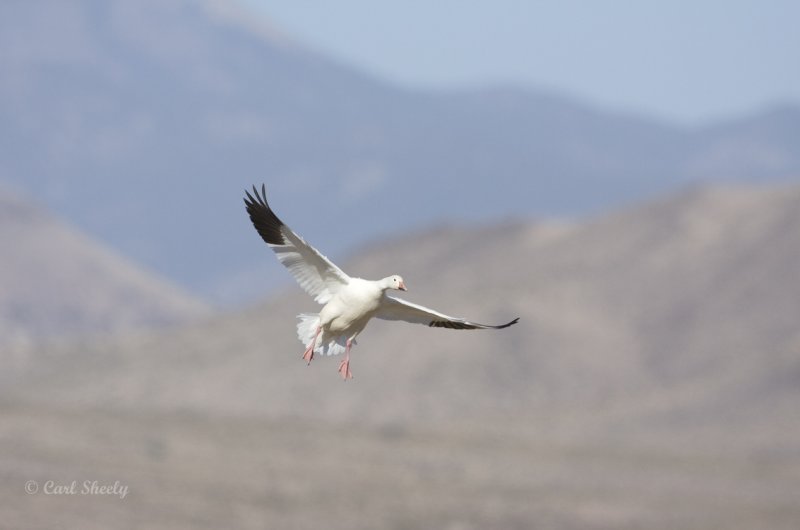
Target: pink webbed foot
344 369
344 366
308 355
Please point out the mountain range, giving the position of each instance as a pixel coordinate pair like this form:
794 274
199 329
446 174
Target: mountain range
651 382
143 122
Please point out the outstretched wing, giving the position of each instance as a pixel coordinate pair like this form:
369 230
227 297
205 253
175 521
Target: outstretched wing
314 272
393 308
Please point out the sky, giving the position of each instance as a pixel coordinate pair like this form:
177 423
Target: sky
687 62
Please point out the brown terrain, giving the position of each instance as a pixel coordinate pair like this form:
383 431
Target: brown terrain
653 382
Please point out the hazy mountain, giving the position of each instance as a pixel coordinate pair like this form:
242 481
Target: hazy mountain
679 314
142 121
57 282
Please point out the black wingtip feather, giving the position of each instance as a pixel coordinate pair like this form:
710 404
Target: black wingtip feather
450 325
264 219
464 325
507 324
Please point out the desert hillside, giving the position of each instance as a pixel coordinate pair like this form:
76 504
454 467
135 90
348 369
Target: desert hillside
677 314
56 282
652 382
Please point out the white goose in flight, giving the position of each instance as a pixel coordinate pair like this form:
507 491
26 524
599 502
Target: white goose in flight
348 303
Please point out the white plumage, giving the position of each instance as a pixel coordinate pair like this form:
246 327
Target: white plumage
348 303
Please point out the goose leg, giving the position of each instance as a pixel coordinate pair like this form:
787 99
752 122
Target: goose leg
344 366
309 353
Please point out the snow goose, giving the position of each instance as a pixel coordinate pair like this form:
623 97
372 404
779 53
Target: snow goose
348 303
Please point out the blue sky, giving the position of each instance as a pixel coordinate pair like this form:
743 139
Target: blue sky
687 62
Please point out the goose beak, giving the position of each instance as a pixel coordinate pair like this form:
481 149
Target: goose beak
402 286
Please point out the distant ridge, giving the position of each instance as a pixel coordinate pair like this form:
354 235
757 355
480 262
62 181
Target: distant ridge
56 282
676 314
